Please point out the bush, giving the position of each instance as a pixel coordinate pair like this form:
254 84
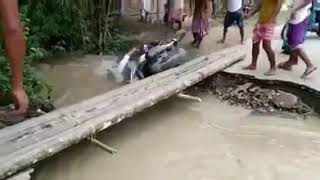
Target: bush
58 26
37 89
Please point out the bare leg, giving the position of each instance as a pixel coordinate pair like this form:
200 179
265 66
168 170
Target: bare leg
293 60
310 67
225 31
199 40
241 34
255 55
15 49
195 37
271 57
226 25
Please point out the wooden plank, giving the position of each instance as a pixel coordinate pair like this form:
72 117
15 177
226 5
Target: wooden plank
25 175
39 138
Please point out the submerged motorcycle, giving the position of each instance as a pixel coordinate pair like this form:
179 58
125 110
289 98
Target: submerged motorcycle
150 59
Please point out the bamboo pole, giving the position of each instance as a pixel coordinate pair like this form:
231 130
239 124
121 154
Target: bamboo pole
189 97
103 146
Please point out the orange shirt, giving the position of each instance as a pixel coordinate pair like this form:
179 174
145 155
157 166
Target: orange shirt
267 9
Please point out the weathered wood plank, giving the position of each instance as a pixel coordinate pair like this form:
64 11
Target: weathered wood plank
25 175
42 137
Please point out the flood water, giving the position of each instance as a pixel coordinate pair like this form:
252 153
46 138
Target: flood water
75 79
181 139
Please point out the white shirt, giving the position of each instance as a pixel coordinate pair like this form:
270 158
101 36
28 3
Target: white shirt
301 14
234 5
146 5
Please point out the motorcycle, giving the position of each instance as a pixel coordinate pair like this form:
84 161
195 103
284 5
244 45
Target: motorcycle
150 59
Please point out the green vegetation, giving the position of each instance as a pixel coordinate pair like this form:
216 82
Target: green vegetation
59 26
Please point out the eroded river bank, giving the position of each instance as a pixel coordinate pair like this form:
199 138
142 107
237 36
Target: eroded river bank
182 139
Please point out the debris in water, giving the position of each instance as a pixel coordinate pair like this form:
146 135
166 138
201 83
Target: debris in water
189 97
237 91
103 146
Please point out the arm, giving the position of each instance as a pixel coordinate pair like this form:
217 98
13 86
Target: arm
255 10
306 3
15 49
206 10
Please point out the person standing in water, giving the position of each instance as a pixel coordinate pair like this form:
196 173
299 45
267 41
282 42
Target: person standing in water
200 22
234 15
297 27
263 32
15 50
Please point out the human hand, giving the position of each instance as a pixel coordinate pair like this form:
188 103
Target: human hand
21 101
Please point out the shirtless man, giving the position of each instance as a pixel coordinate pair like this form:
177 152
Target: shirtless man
264 32
15 49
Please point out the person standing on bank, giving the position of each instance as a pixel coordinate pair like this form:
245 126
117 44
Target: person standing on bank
297 27
200 21
264 32
15 50
234 15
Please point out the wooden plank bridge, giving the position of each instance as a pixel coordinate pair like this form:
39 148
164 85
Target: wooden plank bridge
25 144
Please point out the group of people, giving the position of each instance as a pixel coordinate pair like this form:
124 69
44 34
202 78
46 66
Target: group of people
236 11
264 30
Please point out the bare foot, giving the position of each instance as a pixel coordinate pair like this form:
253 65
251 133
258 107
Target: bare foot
251 67
285 66
271 72
221 41
242 42
308 71
197 44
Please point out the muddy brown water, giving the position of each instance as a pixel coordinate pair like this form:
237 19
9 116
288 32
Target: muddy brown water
75 79
180 139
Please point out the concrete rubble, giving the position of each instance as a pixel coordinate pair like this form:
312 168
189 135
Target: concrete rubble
251 96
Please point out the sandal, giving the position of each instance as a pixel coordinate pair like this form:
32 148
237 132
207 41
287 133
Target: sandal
308 72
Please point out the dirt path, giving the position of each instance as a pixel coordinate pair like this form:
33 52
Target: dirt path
152 32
